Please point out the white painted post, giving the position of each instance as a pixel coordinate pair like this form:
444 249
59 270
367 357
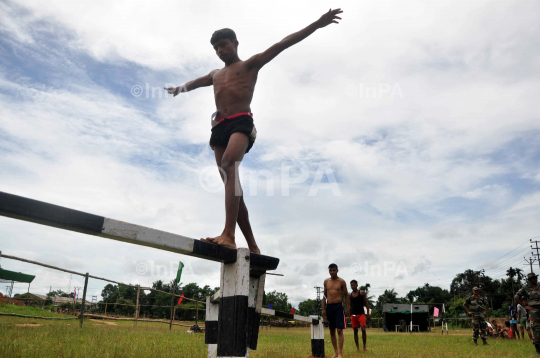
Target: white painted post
317 337
211 326
233 307
411 319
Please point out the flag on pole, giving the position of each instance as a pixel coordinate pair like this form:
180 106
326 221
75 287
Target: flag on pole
435 312
179 273
180 300
75 294
293 310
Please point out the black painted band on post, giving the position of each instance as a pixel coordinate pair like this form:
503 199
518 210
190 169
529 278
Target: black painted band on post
211 332
254 319
232 326
317 348
284 315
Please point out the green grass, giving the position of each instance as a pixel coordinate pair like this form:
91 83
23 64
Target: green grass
64 339
28 311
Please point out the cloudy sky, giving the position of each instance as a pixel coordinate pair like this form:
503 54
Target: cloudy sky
404 140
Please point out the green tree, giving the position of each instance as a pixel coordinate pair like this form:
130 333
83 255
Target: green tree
389 296
110 293
60 293
307 307
456 307
463 283
429 294
371 299
125 310
279 301
511 273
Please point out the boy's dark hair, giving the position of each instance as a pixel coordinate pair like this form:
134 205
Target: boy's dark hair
507 324
354 281
331 266
222 35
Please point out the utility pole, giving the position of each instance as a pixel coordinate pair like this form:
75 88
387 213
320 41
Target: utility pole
530 261
535 242
319 307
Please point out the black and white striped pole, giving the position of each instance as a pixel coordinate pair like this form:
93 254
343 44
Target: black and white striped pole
236 307
317 329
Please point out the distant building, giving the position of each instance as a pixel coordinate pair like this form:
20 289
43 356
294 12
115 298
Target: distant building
58 301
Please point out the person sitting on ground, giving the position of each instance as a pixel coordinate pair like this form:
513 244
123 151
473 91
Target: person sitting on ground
489 329
508 330
496 329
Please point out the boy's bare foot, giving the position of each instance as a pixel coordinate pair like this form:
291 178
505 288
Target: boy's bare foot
222 240
335 356
254 250
365 350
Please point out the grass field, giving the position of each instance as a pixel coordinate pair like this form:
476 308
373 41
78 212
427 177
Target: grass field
25 337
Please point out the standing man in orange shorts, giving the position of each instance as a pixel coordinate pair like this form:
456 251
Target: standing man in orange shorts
358 301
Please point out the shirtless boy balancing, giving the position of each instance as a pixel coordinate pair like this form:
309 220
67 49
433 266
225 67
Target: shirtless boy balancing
332 307
234 133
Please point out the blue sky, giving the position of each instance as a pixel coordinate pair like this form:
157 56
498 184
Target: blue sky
437 173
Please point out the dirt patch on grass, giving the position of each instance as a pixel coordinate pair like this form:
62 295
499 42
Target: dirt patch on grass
28 325
106 322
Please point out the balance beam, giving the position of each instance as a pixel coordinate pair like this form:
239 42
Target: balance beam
39 212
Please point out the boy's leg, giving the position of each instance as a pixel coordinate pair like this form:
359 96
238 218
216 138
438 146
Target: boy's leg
334 341
230 162
341 340
356 339
243 217
364 337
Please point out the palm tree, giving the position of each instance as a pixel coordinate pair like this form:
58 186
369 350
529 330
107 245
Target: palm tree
520 276
370 299
511 273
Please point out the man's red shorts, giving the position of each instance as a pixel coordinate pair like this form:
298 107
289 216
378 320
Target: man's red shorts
358 320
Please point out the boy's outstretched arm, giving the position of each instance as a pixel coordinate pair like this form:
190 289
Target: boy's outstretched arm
261 59
203 81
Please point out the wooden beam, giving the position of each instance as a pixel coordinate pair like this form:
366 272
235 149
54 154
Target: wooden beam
39 212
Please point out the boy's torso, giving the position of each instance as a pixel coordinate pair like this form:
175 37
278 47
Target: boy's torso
233 88
334 290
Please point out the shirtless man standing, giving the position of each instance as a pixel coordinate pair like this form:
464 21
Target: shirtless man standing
332 309
233 131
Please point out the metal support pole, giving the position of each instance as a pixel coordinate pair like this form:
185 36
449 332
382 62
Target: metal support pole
83 299
137 307
172 306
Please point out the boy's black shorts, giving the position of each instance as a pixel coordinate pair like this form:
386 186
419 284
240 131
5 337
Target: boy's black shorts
221 133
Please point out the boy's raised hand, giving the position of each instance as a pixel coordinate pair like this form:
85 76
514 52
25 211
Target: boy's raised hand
329 17
172 90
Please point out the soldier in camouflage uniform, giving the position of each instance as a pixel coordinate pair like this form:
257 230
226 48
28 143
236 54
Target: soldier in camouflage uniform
529 298
477 308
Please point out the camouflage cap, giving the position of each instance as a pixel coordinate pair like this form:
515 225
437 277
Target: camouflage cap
531 276
476 289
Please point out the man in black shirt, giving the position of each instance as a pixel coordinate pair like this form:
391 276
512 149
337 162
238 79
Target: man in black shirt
358 301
